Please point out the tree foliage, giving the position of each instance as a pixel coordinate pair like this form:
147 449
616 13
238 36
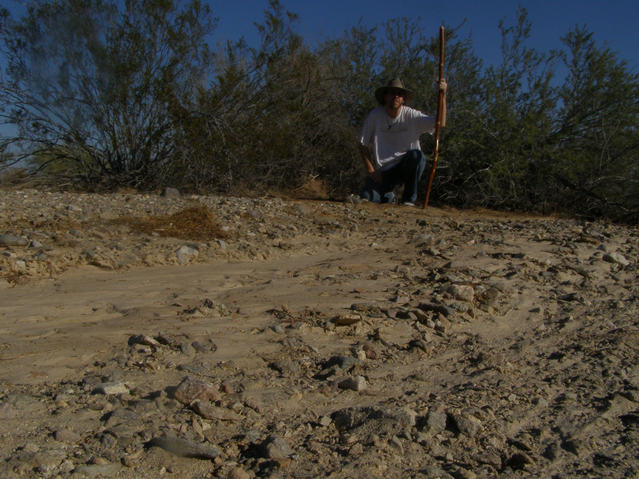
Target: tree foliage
513 111
598 139
90 82
106 92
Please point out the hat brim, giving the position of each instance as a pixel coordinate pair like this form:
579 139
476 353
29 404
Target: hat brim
381 92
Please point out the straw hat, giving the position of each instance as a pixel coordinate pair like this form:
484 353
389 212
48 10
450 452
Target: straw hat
394 84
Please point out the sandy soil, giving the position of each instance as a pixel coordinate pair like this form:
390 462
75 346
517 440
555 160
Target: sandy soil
272 338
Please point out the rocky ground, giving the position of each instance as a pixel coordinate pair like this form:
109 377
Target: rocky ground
210 337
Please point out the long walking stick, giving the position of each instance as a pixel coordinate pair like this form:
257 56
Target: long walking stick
438 124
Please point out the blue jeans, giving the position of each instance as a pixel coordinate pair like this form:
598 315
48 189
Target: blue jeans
408 172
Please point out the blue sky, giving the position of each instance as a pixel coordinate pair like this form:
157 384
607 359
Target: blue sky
613 22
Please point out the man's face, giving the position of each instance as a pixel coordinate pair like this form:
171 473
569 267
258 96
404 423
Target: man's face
394 98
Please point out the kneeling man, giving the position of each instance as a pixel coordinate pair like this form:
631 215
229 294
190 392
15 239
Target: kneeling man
389 144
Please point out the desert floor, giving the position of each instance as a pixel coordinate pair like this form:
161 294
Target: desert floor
205 337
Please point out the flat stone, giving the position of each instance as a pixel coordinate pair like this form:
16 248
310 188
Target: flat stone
466 424
286 367
571 445
617 258
406 416
143 339
209 411
191 389
356 450
47 461
208 347
238 473
434 471
354 417
112 388
462 292
7 239
121 415
66 435
171 193
347 319
8 411
186 253
490 457
519 461
20 265
551 452
325 421
98 470
462 473
435 421
277 448
184 448
437 308
186 348
342 362
357 383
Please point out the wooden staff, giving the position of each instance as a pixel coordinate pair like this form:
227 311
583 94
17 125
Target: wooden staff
440 105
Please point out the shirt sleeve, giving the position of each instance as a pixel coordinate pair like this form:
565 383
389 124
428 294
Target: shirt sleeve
368 130
425 123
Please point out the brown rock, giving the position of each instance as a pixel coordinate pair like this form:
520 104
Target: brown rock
238 473
190 390
347 319
357 383
209 411
277 448
183 448
66 435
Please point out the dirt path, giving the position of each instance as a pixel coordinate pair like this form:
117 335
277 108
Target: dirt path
362 342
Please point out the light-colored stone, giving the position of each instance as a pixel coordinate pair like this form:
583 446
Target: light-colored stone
66 435
191 389
209 411
238 473
114 388
462 292
617 258
8 239
185 448
276 447
186 253
356 383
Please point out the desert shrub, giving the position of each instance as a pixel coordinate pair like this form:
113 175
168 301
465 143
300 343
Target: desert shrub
130 94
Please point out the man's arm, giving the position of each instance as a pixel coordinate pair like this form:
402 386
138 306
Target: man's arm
365 153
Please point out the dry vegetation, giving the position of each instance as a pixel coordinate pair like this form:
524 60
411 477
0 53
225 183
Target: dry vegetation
194 223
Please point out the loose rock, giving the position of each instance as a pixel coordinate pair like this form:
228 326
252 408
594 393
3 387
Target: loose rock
185 448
